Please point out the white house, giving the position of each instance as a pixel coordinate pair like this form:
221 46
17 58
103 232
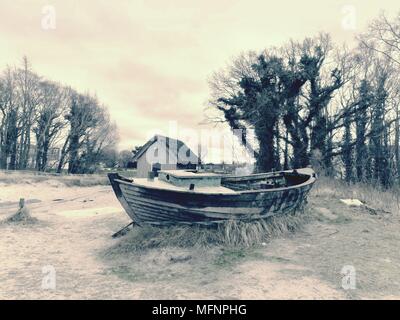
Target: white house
164 153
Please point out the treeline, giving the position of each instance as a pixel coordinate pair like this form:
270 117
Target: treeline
313 103
45 125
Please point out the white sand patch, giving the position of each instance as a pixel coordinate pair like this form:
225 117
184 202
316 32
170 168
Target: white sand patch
265 280
91 212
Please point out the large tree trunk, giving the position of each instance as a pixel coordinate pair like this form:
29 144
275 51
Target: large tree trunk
347 155
73 165
286 153
266 160
64 152
11 141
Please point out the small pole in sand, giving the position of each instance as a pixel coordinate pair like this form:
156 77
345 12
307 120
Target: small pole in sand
22 214
21 203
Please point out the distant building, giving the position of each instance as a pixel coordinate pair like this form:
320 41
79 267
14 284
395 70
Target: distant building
164 153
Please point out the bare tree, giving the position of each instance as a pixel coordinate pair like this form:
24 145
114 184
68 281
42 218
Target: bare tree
49 120
292 85
9 128
383 36
27 86
90 131
37 115
124 158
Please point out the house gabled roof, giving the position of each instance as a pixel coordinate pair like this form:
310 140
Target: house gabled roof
169 142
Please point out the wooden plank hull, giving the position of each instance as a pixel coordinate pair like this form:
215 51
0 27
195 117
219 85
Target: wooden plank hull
157 206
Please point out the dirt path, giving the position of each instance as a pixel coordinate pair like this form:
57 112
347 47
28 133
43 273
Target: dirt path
73 237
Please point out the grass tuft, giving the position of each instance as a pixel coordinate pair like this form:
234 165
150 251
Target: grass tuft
22 216
229 234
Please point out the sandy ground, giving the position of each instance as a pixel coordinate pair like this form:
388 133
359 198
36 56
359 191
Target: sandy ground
73 238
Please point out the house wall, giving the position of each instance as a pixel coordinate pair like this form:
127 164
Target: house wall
143 167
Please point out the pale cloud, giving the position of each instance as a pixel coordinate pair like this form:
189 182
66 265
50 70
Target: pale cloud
149 60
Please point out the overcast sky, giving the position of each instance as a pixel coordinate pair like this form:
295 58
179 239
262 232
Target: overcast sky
149 60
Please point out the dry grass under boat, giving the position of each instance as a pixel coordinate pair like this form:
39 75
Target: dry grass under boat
228 234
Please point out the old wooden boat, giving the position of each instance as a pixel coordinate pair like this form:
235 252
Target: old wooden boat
192 197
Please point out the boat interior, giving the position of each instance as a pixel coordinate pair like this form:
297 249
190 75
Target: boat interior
265 181
194 180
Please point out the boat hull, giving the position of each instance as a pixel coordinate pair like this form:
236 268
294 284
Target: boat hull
157 206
